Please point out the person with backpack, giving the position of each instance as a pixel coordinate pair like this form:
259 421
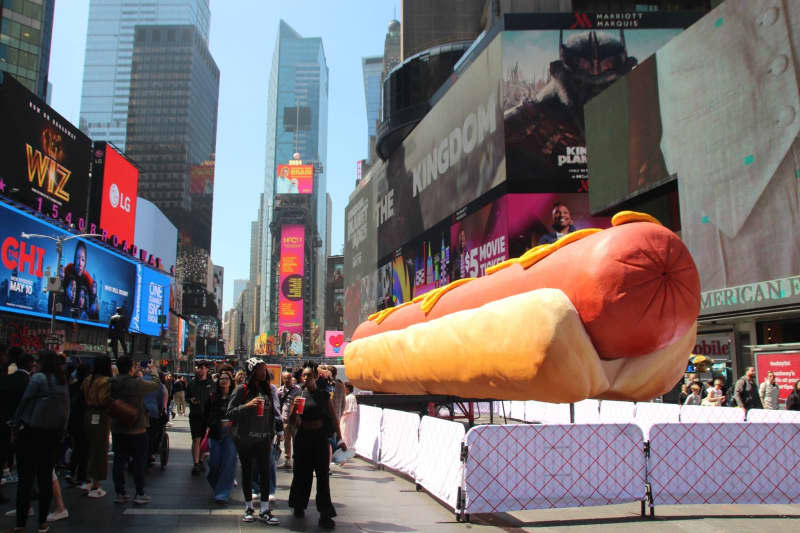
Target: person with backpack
130 435
253 416
40 423
97 393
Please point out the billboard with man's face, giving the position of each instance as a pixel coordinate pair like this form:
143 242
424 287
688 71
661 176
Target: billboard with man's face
295 179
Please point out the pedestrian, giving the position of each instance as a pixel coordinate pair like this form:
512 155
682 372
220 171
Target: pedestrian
179 395
793 401
746 391
154 403
251 410
768 392
198 395
715 396
349 420
314 424
12 388
684 393
694 395
40 423
97 392
130 441
286 394
222 461
238 378
339 392
76 473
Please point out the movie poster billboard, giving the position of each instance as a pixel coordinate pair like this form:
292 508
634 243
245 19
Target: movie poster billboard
290 305
385 288
403 276
294 179
479 241
543 218
115 189
334 343
44 160
550 72
734 156
94 280
453 156
151 306
334 294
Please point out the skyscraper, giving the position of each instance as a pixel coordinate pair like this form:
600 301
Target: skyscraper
372 68
26 29
109 57
297 122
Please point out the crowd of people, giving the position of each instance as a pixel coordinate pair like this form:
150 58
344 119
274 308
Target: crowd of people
745 393
58 417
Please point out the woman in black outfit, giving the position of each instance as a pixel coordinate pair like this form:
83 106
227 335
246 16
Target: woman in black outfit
793 401
311 448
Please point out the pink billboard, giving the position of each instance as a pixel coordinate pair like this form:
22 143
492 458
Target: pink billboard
479 241
334 344
290 311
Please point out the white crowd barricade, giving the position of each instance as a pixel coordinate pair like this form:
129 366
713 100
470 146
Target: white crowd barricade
368 440
773 415
547 413
648 414
439 469
400 441
518 410
515 467
692 414
730 463
587 412
618 412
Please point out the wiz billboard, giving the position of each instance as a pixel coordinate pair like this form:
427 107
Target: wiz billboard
290 301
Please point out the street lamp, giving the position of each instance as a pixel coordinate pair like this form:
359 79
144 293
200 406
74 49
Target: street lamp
60 240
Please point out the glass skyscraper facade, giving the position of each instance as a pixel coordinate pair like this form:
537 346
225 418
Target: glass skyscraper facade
372 68
298 80
109 57
26 30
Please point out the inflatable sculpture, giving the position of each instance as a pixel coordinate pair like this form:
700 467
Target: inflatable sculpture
607 314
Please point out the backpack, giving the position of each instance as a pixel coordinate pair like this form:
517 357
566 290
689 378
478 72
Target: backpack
51 409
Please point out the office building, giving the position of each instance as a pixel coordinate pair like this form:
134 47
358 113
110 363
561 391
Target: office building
239 285
372 68
26 29
109 57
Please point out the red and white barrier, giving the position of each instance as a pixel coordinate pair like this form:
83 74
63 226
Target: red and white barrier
400 441
517 467
648 414
692 414
368 441
773 415
617 412
587 412
439 469
547 413
730 463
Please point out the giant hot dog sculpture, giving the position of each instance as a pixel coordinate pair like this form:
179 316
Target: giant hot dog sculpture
605 314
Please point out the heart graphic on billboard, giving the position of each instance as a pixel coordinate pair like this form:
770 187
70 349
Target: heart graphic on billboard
336 340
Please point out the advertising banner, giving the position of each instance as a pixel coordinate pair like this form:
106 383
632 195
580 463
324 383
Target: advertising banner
535 219
431 257
549 74
785 365
115 191
334 343
453 156
94 280
479 241
290 310
734 155
295 179
402 277
151 306
718 346
334 293
44 160
385 286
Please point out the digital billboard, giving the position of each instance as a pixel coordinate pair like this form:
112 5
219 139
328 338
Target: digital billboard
479 241
152 301
785 365
295 179
44 160
733 154
290 304
334 343
95 281
551 70
431 256
384 290
115 189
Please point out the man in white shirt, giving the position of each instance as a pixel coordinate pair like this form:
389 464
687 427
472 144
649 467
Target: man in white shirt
769 392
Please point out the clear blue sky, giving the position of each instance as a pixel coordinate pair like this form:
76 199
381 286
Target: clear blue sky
242 42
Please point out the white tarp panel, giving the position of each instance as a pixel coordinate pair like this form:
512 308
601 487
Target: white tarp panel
547 413
400 441
619 412
368 442
587 412
704 413
773 415
648 414
439 469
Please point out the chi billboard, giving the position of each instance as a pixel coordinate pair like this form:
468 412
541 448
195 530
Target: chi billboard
95 280
44 160
290 300
115 188
151 306
295 179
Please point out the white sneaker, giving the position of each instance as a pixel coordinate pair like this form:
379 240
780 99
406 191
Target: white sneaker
141 499
272 497
96 493
53 517
13 512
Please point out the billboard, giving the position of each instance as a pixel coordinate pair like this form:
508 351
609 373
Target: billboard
295 179
334 293
290 304
550 72
44 160
453 156
334 343
785 365
151 306
115 188
155 233
479 241
94 280
384 289
431 256
734 155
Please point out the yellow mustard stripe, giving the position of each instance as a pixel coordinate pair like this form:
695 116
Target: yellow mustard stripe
625 217
500 266
432 297
383 315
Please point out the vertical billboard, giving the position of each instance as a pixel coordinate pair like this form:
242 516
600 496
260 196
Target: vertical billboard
334 294
115 189
94 280
360 253
431 255
151 307
44 160
290 300
479 241
550 72
295 179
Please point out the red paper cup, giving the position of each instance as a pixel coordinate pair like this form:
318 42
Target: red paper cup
301 405
260 407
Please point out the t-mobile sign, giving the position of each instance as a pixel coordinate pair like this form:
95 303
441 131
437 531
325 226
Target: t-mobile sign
785 365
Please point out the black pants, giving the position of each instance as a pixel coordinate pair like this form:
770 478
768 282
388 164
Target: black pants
79 460
121 340
127 448
37 450
154 433
258 452
311 456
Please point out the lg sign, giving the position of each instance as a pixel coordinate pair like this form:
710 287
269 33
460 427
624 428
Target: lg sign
118 199
120 188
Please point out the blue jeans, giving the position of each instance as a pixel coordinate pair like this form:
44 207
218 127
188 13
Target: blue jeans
221 467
